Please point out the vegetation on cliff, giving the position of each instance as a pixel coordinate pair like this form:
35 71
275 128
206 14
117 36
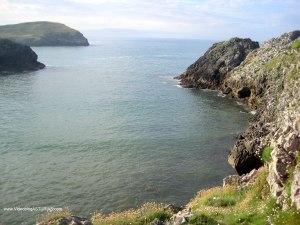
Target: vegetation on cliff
43 33
251 204
141 216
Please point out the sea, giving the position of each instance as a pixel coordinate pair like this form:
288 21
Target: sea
107 128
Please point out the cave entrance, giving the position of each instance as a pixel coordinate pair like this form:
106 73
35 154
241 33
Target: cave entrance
244 92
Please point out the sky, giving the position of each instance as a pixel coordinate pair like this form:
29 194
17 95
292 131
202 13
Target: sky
197 19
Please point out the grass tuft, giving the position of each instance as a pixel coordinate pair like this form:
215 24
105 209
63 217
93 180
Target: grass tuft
266 154
295 45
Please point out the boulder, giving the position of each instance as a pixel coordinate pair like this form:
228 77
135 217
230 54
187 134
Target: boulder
182 217
156 221
17 57
74 220
243 180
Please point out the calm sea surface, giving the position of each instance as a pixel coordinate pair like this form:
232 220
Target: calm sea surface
106 128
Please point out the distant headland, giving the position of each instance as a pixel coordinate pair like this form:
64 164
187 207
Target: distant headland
43 33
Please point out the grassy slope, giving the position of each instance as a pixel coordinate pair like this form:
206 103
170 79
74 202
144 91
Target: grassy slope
248 205
33 29
141 216
42 34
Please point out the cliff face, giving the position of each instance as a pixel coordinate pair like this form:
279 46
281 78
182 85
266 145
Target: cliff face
271 74
267 81
43 34
17 57
210 70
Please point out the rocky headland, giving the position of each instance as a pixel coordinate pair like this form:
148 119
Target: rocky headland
16 57
266 190
43 33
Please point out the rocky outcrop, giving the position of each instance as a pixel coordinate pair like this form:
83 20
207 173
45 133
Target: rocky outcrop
43 34
242 181
271 74
17 57
295 189
266 80
211 69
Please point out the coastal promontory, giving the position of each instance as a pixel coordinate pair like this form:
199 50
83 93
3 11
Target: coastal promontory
43 33
17 57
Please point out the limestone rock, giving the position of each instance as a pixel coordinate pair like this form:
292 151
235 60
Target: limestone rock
243 180
295 189
182 217
74 220
262 81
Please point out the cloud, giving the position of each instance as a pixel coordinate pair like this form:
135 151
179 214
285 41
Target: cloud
215 19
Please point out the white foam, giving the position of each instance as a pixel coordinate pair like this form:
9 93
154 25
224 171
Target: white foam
220 94
179 86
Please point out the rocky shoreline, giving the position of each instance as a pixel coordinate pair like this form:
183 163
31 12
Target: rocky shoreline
266 156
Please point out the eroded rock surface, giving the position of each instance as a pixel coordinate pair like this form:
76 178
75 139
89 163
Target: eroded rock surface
210 69
267 80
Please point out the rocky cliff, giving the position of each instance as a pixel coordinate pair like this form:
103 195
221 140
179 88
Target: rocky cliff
271 77
17 57
43 34
267 81
210 70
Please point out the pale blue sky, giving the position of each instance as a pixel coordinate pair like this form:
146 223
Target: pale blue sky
201 19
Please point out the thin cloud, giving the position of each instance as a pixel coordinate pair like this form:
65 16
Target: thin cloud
214 19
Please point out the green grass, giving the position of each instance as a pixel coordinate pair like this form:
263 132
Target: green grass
266 154
141 216
285 64
253 206
201 219
295 45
